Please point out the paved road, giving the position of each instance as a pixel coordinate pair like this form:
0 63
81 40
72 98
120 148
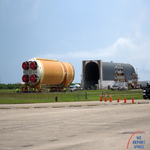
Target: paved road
107 126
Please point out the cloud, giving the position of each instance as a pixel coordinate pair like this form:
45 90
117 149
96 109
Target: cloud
135 51
129 49
125 50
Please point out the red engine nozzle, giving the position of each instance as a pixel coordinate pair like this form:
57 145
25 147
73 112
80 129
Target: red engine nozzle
33 78
25 78
33 65
25 65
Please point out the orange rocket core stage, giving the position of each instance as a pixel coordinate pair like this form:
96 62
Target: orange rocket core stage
56 72
47 72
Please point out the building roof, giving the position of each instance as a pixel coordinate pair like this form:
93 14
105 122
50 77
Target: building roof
108 70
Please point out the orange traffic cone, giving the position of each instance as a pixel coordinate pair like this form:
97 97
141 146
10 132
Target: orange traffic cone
105 98
125 99
100 98
118 98
110 98
132 99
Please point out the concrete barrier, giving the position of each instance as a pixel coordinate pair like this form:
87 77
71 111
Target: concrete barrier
143 102
22 107
58 106
75 105
4 107
40 107
127 103
93 105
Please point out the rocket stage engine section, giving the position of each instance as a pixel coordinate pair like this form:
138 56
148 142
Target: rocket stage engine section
47 72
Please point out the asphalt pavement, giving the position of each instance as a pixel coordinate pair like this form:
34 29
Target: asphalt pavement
91 125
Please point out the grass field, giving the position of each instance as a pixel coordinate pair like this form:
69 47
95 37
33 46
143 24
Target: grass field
9 97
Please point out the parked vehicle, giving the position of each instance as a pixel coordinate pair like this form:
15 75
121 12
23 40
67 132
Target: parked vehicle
146 91
119 86
137 86
123 88
115 87
143 84
73 88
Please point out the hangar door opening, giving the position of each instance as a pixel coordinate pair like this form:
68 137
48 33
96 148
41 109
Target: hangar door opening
91 75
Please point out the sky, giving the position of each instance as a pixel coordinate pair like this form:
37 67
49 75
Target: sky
73 31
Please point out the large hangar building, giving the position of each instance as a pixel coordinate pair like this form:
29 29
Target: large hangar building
101 74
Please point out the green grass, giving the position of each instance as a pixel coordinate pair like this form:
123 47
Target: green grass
9 97
7 91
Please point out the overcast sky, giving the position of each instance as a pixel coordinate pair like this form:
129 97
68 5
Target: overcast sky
72 31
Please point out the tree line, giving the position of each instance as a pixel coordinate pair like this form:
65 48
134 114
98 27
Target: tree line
15 86
10 86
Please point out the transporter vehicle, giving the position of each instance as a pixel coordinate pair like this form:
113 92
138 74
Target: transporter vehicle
38 73
146 91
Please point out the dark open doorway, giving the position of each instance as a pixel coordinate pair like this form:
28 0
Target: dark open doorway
91 75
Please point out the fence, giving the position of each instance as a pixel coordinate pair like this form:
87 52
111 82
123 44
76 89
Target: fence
114 94
89 95
44 97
